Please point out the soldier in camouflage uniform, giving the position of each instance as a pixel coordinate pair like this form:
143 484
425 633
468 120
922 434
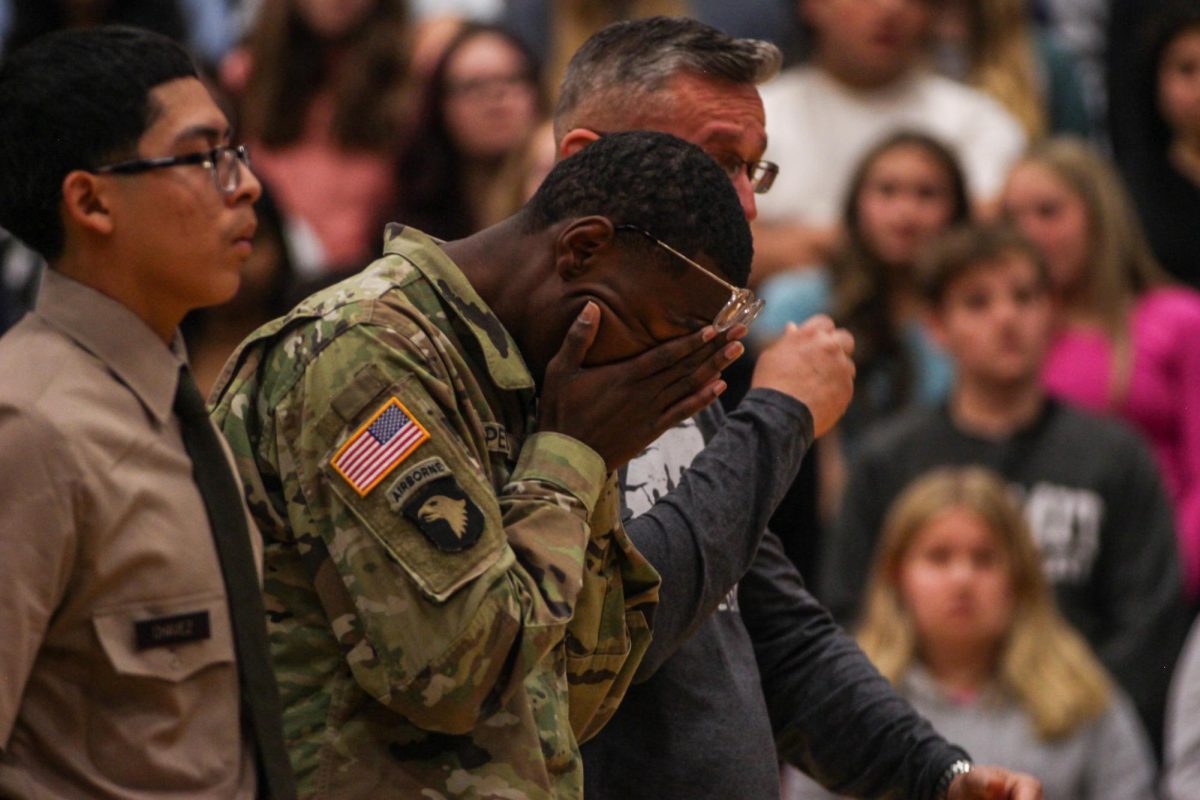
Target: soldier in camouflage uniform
453 603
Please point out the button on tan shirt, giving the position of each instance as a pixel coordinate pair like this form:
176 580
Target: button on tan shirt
117 672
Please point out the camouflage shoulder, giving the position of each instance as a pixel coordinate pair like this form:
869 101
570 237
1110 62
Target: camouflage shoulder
276 355
388 272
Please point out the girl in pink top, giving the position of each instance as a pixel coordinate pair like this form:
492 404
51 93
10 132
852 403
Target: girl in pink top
1129 340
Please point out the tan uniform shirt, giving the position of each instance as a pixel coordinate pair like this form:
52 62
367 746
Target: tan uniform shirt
117 671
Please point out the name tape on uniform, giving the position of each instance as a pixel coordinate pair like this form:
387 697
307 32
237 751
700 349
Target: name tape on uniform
175 629
497 439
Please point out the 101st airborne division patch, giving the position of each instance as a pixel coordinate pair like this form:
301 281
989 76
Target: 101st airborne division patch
429 495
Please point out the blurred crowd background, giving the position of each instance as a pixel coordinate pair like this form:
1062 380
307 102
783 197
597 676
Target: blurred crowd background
1077 121
434 111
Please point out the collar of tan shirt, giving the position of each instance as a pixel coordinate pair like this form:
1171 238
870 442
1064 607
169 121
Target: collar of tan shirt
118 337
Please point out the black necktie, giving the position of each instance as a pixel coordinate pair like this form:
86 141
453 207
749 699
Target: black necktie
223 502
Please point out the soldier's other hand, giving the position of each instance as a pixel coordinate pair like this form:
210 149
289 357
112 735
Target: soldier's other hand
993 783
617 409
812 363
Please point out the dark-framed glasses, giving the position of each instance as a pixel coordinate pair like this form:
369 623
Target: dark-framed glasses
223 162
742 307
761 174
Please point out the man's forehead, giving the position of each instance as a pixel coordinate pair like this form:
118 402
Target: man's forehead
722 133
709 112
184 111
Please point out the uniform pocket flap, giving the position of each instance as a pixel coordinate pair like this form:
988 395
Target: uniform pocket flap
170 639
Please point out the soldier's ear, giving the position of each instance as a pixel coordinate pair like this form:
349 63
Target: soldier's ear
578 244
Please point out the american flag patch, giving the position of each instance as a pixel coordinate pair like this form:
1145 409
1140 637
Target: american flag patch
378 447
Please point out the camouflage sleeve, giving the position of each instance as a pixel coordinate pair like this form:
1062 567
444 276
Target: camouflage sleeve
610 632
443 593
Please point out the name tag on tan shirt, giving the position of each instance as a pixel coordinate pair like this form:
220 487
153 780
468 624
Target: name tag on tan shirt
175 629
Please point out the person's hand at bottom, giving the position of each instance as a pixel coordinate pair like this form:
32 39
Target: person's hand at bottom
993 783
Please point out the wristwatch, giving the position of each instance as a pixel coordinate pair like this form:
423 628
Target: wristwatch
960 767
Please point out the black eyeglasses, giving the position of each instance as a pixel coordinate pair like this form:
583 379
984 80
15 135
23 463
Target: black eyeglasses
742 307
761 174
222 161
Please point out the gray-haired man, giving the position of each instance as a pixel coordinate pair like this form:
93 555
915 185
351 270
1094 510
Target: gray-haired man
731 664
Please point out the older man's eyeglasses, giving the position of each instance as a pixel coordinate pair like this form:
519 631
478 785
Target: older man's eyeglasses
761 174
742 307
223 162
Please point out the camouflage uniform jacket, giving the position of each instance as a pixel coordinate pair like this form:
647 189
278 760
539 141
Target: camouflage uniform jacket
453 604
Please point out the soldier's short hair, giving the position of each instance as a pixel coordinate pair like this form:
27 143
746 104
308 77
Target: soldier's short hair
626 61
657 183
966 248
73 100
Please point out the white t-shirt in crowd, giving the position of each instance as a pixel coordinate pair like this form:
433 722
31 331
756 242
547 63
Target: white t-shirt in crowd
819 129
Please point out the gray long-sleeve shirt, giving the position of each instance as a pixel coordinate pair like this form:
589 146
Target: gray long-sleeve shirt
1107 758
737 670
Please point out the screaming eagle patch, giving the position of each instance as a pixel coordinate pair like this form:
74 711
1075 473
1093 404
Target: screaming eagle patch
444 513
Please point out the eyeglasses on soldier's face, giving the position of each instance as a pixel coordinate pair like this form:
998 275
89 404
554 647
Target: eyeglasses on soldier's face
223 162
742 307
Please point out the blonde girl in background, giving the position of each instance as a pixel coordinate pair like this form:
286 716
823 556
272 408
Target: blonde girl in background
959 618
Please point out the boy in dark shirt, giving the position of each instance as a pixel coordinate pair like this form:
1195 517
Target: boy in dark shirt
1091 490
